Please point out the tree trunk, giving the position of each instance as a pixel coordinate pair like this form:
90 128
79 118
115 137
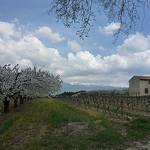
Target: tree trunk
15 102
6 105
21 100
28 99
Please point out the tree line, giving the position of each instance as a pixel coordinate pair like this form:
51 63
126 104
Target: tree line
28 83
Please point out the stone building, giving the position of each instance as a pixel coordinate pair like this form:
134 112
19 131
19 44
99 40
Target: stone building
139 86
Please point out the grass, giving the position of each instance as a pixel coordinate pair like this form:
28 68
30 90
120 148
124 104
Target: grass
139 128
24 129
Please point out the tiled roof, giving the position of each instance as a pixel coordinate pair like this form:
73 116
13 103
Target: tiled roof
143 77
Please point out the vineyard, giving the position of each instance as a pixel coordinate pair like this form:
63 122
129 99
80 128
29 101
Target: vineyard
112 105
43 124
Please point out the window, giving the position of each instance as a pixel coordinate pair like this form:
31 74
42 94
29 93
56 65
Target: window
146 90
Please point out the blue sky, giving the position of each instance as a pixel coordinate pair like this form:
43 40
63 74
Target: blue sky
31 37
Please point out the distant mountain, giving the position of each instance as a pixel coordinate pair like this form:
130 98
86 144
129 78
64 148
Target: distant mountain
66 87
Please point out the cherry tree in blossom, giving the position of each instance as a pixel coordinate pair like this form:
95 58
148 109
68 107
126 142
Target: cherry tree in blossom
26 84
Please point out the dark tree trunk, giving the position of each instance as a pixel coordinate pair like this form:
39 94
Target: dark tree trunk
21 100
15 102
28 99
6 105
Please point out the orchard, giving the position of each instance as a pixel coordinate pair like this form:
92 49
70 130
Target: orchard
25 84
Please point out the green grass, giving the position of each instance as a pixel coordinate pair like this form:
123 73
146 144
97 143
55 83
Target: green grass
139 128
24 128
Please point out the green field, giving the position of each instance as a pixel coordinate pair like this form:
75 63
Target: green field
40 124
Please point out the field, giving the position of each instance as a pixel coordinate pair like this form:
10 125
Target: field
42 124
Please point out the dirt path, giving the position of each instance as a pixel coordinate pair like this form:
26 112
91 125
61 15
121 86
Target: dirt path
142 145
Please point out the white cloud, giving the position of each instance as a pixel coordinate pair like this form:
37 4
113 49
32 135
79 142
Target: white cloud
74 45
45 32
28 51
6 29
134 44
110 28
85 63
79 67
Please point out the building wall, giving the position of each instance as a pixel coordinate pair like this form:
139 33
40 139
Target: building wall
134 86
144 84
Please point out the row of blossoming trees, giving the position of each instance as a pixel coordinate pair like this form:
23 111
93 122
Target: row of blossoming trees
20 84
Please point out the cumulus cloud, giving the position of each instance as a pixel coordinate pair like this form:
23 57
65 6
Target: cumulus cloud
110 28
132 57
74 45
45 32
6 29
135 43
28 51
85 63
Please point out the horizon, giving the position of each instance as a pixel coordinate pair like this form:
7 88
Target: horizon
67 87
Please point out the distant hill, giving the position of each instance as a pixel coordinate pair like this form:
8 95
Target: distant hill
66 87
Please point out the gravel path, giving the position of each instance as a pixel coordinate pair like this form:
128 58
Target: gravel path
145 145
